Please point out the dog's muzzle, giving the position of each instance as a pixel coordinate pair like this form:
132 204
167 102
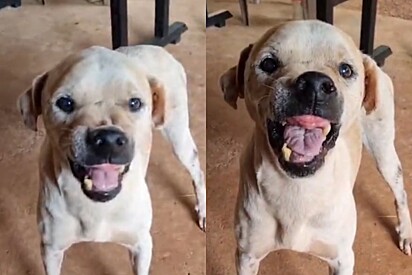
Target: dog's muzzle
105 161
306 127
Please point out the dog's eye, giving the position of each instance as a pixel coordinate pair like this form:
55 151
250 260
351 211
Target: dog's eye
66 104
269 65
135 104
345 70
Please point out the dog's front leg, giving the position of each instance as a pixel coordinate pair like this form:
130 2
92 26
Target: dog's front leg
343 264
254 237
379 138
52 259
380 142
390 167
141 254
246 263
57 235
177 132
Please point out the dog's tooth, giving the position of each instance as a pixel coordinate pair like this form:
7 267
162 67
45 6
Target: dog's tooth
122 168
88 184
326 130
286 152
283 123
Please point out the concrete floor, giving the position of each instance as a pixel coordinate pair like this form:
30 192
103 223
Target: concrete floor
376 250
33 39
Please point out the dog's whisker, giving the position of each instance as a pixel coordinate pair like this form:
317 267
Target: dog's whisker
270 87
263 97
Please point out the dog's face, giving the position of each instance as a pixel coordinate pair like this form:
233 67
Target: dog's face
303 83
98 110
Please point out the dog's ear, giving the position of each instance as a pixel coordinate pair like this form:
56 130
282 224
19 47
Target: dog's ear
29 103
232 81
158 99
376 82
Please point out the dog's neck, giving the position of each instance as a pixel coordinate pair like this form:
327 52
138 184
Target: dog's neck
50 161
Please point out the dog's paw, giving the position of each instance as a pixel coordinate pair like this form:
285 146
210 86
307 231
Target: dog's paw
405 240
202 224
406 246
201 217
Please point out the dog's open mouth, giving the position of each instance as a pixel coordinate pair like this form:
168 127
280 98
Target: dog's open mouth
302 142
100 182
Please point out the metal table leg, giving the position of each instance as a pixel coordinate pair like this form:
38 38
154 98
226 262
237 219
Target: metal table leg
164 34
244 11
11 3
217 19
118 14
324 10
367 37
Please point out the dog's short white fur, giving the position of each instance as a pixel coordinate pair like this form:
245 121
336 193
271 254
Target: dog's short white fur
314 214
66 216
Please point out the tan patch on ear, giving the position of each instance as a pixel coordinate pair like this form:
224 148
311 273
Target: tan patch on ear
159 102
29 103
240 72
371 84
229 88
232 81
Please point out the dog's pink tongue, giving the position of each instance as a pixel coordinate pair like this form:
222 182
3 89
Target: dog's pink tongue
105 177
304 136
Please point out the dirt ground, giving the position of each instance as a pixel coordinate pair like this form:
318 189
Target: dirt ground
33 39
375 246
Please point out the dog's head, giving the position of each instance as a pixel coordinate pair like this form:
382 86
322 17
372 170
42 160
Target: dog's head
98 111
304 83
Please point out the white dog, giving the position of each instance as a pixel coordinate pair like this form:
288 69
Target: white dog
99 108
313 97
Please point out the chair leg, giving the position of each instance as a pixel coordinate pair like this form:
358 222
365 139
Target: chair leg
244 12
298 10
309 7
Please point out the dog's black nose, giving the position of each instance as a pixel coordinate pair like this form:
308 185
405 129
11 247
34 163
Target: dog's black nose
315 82
107 142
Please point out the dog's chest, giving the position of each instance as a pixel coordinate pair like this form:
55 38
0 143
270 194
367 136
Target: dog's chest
118 220
281 192
100 225
300 205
